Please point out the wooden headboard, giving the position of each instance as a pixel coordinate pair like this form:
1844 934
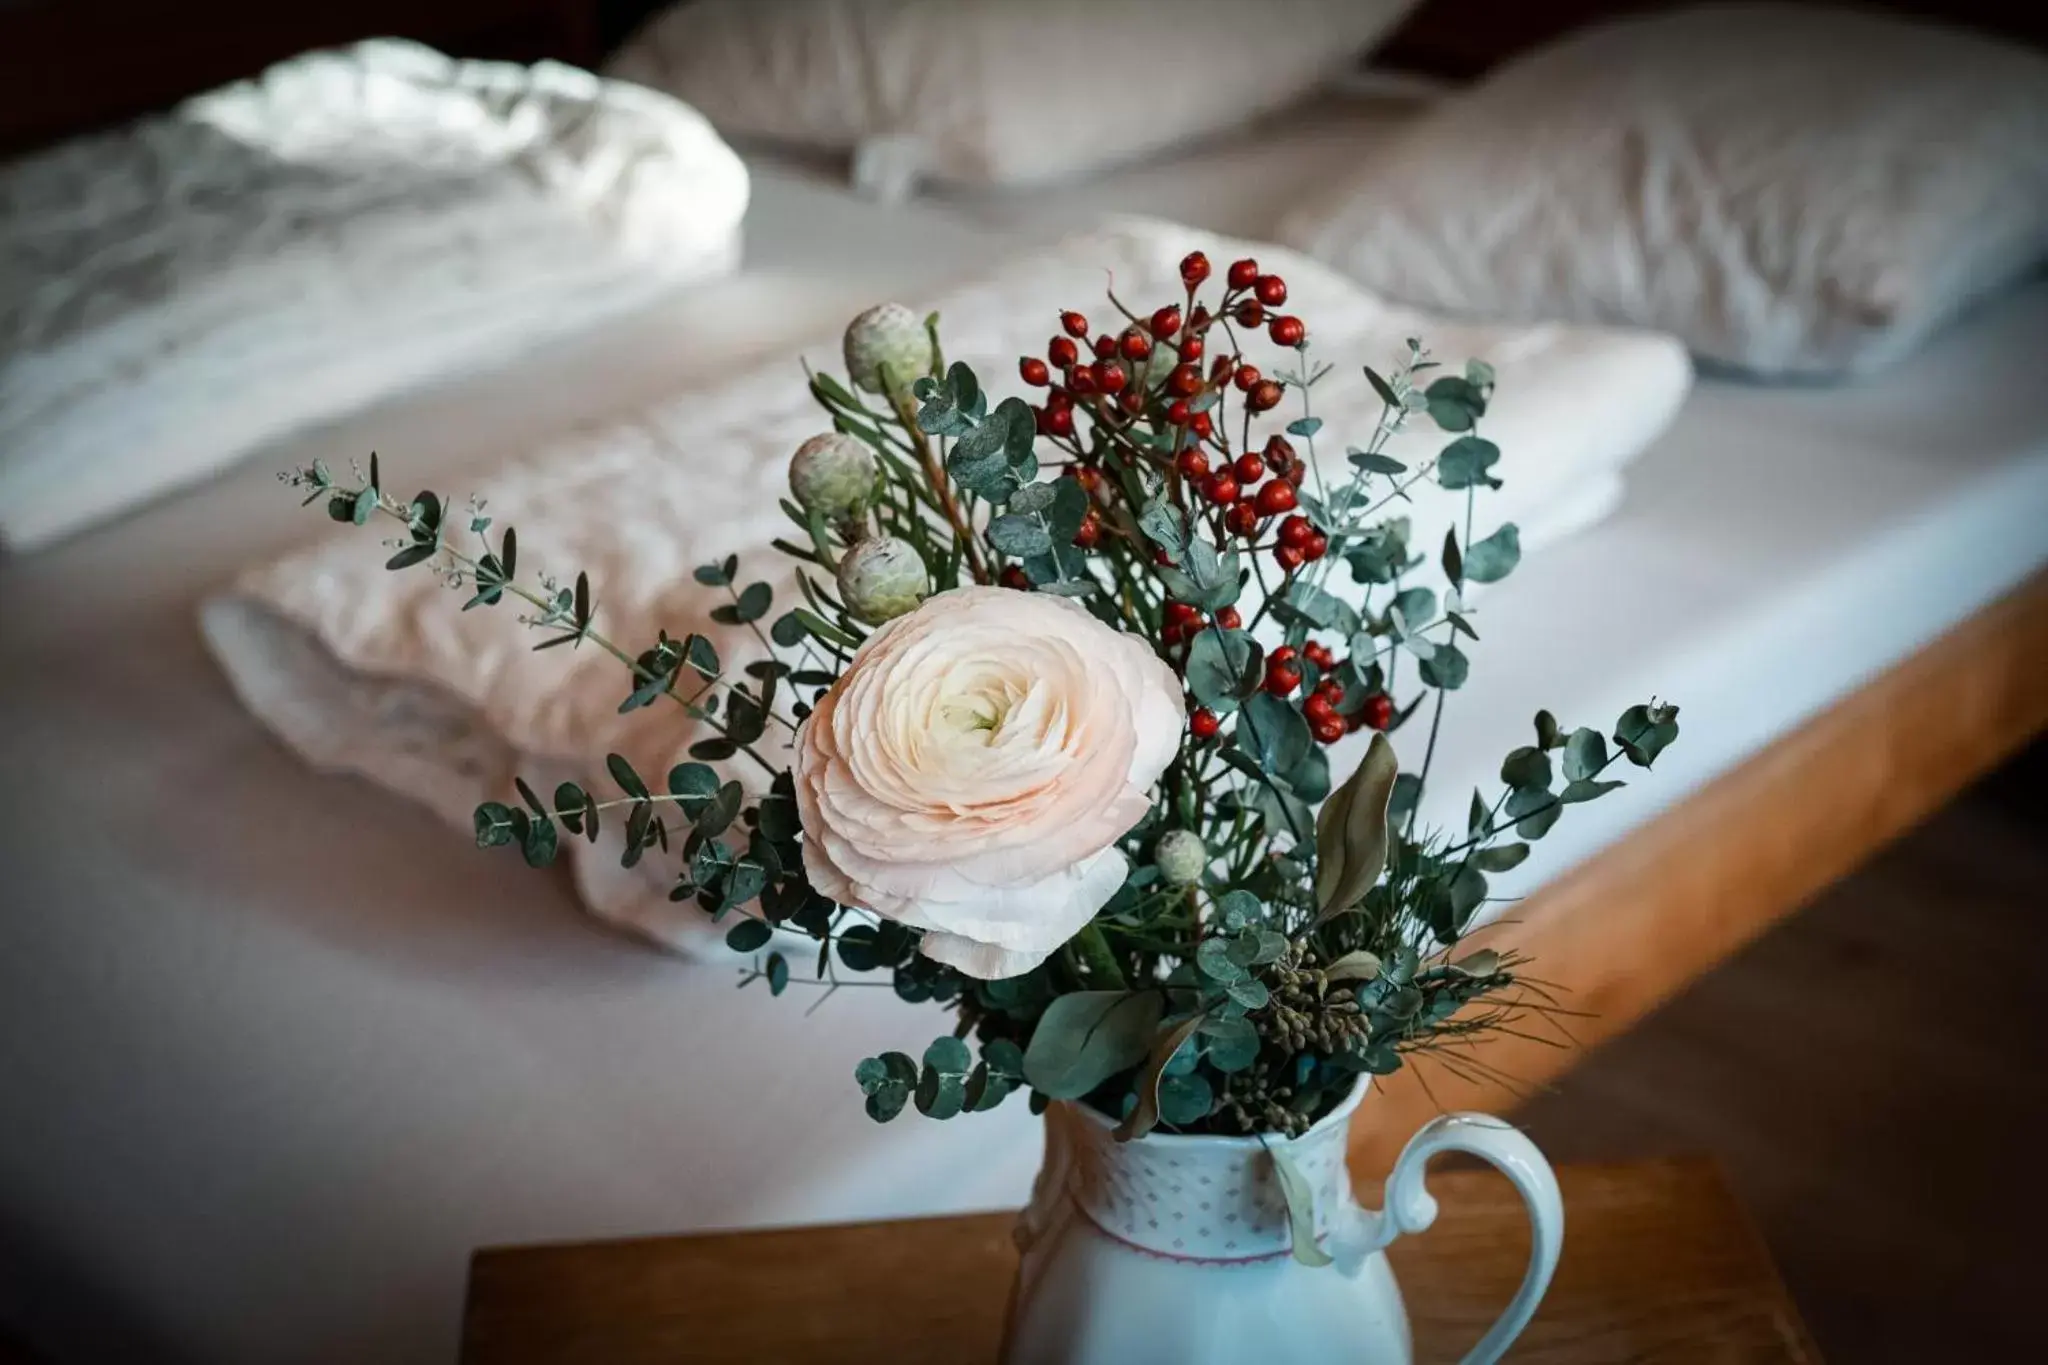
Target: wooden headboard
68 66
1462 38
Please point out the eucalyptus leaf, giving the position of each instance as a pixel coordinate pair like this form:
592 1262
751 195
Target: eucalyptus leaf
1165 526
887 1081
1085 1037
1495 557
1274 733
1501 857
1032 498
1526 768
1464 462
1019 536
1185 1100
748 935
1219 664
1250 993
1585 754
1446 667
1586 789
1213 960
1230 1044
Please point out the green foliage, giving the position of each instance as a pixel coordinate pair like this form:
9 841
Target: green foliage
1086 1037
1311 937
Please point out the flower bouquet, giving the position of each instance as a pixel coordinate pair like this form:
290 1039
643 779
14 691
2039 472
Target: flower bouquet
1045 741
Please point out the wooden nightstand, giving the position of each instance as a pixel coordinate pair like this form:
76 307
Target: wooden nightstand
1660 1264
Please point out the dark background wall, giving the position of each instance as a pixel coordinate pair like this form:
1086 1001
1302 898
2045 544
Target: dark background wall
68 66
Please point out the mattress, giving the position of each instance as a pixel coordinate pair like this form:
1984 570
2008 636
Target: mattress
277 1058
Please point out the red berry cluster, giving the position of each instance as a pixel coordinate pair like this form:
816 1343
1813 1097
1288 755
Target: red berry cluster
1157 390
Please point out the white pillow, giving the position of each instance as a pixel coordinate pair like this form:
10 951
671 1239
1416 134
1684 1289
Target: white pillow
1790 190
283 250
379 673
993 91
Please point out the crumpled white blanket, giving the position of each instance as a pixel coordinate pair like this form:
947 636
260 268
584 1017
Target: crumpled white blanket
379 673
287 249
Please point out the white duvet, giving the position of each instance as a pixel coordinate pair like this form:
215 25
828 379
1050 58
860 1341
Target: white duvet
379 673
288 249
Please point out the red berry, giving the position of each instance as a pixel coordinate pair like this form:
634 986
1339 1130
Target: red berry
1165 322
1319 654
1271 289
1091 530
1220 488
1192 463
1089 477
1034 371
1105 346
1076 324
1317 708
1012 576
1265 396
1378 711
1229 619
1287 331
1059 421
1184 382
1110 376
1282 679
1242 519
1295 531
1178 412
1246 376
1249 314
1190 348
1199 320
1179 613
1287 557
1132 402
1062 352
1279 453
1275 497
1283 654
1203 724
1194 268
1295 472
1082 380
1318 545
1135 345
1329 731
1201 426
1249 468
1243 274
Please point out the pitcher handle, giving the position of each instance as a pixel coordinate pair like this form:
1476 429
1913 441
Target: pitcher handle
1411 1208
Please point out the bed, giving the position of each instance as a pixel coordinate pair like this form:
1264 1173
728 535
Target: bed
275 1063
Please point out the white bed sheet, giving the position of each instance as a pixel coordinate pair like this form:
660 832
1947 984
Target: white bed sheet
276 1058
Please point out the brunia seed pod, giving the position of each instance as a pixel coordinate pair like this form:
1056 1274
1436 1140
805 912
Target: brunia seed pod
832 475
882 578
887 335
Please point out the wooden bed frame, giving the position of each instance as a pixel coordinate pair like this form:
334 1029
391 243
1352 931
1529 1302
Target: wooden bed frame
1622 932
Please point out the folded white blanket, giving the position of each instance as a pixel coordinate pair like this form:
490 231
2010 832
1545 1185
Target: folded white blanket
379 673
286 249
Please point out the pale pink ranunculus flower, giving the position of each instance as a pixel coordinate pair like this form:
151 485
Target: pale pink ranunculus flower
971 771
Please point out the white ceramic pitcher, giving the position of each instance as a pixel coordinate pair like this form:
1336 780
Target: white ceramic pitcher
1177 1248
